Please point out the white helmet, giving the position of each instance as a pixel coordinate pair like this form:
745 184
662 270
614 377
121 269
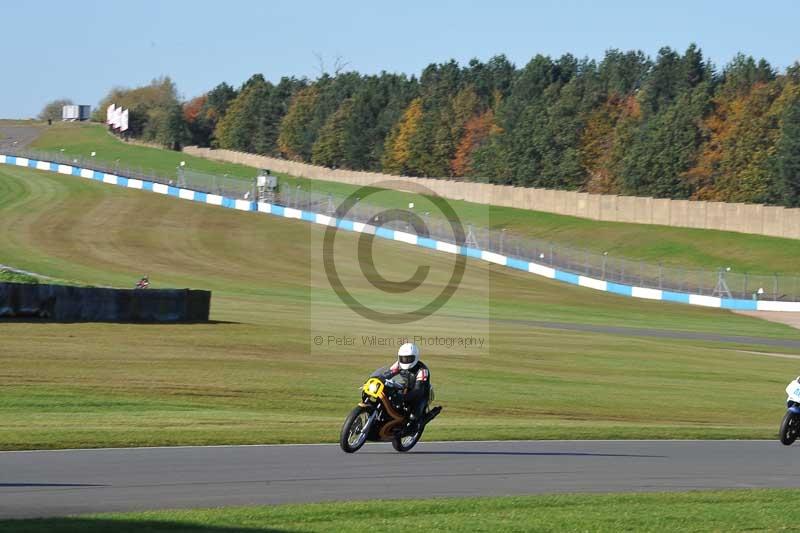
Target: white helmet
407 355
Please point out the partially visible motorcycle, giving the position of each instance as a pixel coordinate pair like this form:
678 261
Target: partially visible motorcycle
382 416
790 425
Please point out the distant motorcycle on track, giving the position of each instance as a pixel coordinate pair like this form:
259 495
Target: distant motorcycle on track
383 416
790 425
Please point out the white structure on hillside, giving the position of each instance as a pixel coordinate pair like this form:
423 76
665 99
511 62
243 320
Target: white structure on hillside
117 118
72 113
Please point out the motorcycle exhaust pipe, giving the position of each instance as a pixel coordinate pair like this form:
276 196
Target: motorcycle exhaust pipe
433 413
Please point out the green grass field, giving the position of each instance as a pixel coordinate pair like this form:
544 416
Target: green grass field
734 510
680 247
254 374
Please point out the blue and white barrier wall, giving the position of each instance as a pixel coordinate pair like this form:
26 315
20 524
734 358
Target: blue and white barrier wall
409 238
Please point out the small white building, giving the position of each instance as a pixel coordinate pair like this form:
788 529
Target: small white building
72 113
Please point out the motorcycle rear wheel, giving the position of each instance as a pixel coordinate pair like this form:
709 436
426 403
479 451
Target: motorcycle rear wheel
403 444
789 427
351 439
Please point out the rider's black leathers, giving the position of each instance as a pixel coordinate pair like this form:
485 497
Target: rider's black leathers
418 378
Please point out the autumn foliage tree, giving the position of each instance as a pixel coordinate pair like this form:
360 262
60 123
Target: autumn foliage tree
296 137
605 135
734 163
785 160
397 154
475 132
203 113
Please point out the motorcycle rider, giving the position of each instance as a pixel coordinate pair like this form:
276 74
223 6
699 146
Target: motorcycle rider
418 377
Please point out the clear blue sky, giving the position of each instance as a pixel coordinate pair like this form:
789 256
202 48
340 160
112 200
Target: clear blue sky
81 48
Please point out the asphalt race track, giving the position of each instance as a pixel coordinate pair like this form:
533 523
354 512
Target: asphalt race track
17 136
51 483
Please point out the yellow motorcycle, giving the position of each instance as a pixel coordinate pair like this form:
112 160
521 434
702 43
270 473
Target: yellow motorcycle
382 416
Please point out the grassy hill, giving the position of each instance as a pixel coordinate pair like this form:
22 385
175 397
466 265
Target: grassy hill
256 375
680 247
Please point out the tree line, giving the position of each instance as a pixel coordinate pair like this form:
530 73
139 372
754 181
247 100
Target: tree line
673 126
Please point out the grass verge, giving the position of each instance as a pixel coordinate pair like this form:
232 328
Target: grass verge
733 510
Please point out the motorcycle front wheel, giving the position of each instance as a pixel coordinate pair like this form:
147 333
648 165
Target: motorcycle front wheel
352 438
789 427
